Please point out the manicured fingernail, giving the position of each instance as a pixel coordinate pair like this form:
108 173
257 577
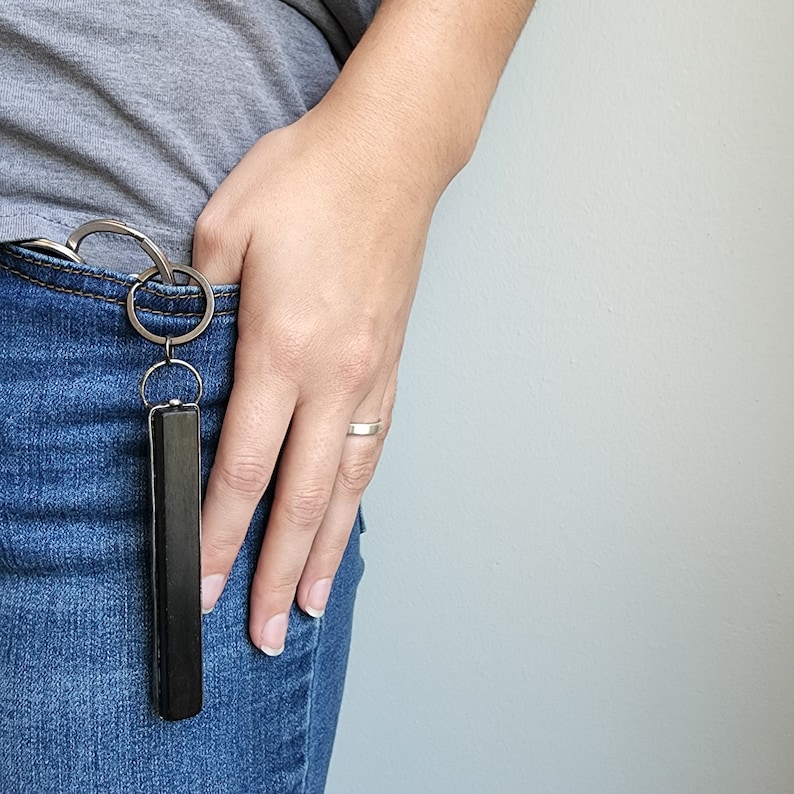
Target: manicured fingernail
273 634
318 597
211 587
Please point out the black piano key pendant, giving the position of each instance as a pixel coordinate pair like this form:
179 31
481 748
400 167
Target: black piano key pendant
174 438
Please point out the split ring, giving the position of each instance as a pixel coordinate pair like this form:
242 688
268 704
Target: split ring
44 246
209 310
173 361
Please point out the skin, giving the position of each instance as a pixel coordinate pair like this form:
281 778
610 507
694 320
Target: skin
323 223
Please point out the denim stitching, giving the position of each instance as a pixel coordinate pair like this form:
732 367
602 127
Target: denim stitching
103 277
310 704
105 298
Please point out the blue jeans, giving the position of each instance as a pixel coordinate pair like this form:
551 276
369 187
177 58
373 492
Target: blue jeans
75 616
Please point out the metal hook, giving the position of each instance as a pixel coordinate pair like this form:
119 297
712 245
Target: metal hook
164 267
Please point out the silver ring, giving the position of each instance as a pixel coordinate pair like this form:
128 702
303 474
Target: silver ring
209 298
176 362
44 246
365 428
153 251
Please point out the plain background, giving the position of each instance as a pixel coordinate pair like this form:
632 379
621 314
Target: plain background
580 557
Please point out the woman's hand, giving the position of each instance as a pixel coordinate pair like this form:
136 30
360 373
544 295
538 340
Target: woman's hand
326 241
324 224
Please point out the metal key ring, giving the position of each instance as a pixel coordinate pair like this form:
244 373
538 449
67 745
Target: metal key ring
44 246
209 298
173 361
164 267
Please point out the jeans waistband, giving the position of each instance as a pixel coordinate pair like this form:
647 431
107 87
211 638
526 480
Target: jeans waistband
86 281
64 331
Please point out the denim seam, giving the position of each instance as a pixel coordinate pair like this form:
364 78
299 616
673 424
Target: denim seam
105 298
310 704
103 277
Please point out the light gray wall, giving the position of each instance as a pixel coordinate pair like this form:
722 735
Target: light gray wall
581 549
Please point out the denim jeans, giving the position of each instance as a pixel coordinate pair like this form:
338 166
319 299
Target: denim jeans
75 615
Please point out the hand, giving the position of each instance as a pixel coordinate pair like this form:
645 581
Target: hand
326 239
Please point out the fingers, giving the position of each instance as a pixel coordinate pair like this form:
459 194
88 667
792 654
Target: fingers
360 457
249 444
307 471
357 466
321 479
323 309
322 475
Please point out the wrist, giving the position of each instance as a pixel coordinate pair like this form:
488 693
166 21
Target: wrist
377 151
413 95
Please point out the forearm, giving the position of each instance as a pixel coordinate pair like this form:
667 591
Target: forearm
415 91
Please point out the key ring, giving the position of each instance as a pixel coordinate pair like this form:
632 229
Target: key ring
209 310
70 250
162 267
152 250
45 246
175 478
167 363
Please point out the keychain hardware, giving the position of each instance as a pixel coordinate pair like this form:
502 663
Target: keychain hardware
70 250
44 246
209 298
174 429
178 362
175 459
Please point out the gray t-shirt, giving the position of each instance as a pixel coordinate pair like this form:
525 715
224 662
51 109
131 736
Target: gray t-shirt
138 110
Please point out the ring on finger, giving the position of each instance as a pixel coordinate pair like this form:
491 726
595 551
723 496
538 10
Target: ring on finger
365 428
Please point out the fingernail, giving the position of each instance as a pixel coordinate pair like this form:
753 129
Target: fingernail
273 634
318 597
211 587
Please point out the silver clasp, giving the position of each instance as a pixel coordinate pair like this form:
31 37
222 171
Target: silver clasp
70 250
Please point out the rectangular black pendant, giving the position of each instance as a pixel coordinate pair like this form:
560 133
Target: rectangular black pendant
176 558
